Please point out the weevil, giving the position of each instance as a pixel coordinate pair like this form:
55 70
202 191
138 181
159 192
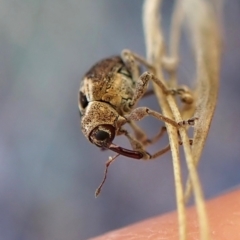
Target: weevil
108 95
107 101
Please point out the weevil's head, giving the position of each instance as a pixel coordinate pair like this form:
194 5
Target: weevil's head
100 123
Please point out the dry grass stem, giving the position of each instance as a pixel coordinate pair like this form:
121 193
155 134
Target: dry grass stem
205 38
206 44
155 52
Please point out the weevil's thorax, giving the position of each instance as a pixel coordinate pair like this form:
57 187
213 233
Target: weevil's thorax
110 82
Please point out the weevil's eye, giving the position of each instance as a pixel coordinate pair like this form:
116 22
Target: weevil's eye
83 100
103 135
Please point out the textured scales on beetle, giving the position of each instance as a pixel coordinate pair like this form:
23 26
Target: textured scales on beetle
108 95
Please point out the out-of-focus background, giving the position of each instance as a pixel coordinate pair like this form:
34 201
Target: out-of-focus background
48 170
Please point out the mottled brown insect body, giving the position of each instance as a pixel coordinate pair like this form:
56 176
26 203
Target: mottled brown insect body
105 96
108 94
108 81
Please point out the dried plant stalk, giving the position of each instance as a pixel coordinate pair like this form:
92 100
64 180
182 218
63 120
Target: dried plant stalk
155 51
206 44
203 30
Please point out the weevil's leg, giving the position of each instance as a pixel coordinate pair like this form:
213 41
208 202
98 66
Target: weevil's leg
190 142
142 81
170 64
161 152
137 146
188 122
131 64
142 84
141 112
184 93
180 141
138 132
125 53
158 136
142 137
166 149
130 59
140 89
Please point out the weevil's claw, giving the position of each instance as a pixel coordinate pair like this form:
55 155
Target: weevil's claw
189 122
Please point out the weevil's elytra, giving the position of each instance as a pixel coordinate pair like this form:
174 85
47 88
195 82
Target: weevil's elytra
108 94
109 81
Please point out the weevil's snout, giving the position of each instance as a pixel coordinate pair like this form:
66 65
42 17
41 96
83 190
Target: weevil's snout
103 135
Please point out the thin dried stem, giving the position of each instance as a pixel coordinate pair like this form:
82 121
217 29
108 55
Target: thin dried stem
204 32
206 46
155 50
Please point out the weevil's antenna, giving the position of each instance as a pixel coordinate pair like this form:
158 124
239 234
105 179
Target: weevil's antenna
108 163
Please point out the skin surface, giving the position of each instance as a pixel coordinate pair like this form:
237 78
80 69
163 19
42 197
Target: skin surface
224 218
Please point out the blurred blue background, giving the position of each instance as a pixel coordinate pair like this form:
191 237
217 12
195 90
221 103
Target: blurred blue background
48 170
